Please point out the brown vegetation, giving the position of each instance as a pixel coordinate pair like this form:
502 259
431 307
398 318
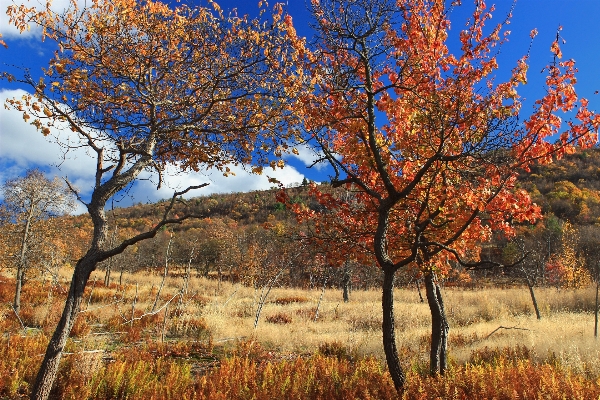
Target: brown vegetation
203 345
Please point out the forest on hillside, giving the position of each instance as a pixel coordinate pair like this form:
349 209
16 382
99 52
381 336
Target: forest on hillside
251 237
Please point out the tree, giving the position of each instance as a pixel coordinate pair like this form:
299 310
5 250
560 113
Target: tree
567 268
145 86
427 139
588 246
30 200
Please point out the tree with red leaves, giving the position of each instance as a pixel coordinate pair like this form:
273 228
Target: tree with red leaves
429 142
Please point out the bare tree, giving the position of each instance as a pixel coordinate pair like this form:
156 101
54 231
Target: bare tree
29 200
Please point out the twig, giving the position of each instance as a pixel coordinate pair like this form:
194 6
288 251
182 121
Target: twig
506 327
263 296
230 297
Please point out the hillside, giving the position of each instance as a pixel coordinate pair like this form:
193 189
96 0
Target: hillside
568 188
231 242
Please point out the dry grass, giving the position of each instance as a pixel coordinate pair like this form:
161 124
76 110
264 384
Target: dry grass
223 315
287 322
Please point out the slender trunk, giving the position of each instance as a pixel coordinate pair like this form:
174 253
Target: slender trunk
107 274
320 300
18 287
445 330
346 285
188 271
389 336
165 273
439 326
49 367
121 275
533 300
21 266
220 279
263 296
419 290
596 310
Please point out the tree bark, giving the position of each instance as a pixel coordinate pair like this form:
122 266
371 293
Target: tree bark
21 266
389 336
18 288
596 309
49 368
439 326
107 273
346 285
533 300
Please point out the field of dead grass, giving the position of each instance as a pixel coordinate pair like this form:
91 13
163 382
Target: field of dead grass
201 329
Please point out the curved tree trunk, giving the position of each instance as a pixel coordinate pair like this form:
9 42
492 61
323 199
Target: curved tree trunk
439 326
49 368
389 336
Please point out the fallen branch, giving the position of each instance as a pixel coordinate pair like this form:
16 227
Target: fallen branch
179 293
100 307
84 352
505 327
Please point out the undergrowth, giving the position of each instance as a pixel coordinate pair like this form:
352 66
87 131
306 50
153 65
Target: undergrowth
173 371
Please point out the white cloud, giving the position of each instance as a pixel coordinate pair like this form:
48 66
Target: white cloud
23 147
308 155
242 181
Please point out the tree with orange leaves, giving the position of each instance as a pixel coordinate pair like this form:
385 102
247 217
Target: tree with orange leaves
567 268
429 141
144 86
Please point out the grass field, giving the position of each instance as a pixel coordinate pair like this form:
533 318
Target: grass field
203 344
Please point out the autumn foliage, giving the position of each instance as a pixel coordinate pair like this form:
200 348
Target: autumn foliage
430 135
428 140
143 71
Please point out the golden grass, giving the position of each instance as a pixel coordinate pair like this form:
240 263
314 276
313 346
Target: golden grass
223 315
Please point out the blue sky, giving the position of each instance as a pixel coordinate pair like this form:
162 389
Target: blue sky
22 147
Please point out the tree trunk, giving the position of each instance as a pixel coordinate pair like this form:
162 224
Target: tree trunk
439 326
165 272
49 368
596 310
389 336
18 287
346 285
419 290
107 274
534 301
21 266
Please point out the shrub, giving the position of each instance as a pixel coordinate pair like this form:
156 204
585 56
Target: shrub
279 318
282 301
